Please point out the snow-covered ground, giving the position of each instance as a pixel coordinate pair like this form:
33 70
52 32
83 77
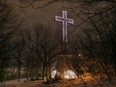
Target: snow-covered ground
61 83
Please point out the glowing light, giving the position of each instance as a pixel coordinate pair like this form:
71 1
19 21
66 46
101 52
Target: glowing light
53 73
79 55
67 77
64 21
69 74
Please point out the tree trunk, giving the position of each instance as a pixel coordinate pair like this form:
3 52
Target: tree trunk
27 74
105 70
1 74
19 73
43 71
47 73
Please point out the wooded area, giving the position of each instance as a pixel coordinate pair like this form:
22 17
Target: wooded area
31 53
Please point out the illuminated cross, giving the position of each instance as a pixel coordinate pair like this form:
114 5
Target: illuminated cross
64 21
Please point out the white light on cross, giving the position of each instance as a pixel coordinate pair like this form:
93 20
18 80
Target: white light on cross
64 21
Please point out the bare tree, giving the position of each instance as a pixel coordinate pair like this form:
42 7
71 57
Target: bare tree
46 46
96 44
18 54
7 31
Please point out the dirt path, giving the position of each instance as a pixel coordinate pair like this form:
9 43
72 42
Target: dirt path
15 83
61 83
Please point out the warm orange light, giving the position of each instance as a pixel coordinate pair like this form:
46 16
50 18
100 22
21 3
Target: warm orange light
67 77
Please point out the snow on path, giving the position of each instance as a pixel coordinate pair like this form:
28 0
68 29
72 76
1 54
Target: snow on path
15 83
